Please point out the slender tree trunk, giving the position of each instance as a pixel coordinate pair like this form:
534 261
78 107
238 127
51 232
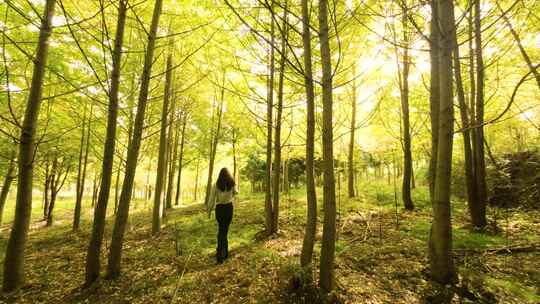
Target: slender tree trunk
404 86
329 196
115 254
8 179
235 168
277 135
46 188
269 127
14 258
78 198
440 243
434 95
55 175
173 152
214 144
162 156
480 162
180 161
195 190
467 149
117 185
350 163
82 178
93 264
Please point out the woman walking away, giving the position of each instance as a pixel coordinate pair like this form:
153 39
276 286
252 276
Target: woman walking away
221 197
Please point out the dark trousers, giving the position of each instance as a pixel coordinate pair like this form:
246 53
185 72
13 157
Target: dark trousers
224 214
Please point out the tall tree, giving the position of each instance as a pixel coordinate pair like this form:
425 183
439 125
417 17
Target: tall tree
174 132
470 179
279 113
184 118
14 259
215 141
311 222
350 157
329 191
434 95
440 241
115 253
93 264
478 145
269 126
404 92
81 170
161 173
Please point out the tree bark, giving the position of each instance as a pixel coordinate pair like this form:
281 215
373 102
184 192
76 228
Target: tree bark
81 180
269 127
480 162
404 88
311 221
472 201
434 95
214 144
115 254
329 196
8 179
180 161
350 162
14 258
277 135
173 129
440 241
46 188
161 173
93 264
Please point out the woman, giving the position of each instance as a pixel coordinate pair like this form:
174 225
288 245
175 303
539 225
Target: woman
221 197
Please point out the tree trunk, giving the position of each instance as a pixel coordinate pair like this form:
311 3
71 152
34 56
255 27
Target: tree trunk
46 188
115 254
197 171
78 198
55 175
467 149
350 162
214 144
440 241
434 96
180 161
404 88
7 184
93 264
14 258
269 127
173 152
329 196
235 167
480 162
117 185
277 135
81 180
161 173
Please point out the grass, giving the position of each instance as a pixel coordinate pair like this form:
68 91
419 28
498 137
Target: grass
380 254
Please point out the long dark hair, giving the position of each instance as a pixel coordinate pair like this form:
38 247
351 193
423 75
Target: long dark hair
225 181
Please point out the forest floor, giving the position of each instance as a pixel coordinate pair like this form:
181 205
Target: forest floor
381 256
